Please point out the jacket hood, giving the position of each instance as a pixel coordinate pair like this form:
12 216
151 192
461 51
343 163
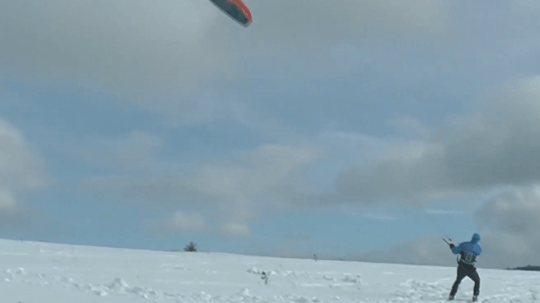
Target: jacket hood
475 238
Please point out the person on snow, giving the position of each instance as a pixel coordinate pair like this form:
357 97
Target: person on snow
468 251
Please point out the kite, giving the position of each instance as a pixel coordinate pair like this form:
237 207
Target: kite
236 9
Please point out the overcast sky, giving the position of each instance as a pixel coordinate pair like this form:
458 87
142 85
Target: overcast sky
361 129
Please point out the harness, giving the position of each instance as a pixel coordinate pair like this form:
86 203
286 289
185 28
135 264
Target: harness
467 258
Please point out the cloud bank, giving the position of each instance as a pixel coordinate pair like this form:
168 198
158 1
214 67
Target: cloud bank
497 146
21 170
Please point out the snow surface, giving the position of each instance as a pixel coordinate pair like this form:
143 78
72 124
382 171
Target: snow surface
50 273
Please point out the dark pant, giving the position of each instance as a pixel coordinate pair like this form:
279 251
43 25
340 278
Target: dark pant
466 271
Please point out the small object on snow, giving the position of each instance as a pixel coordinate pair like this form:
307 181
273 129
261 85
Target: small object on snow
264 276
244 292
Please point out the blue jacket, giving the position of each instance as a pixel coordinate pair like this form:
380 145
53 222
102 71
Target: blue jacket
469 247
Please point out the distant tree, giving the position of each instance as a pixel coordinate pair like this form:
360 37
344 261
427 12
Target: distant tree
528 267
191 247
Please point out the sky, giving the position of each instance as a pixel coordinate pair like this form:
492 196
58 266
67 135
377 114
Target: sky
365 130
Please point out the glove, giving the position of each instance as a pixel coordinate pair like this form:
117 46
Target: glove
452 246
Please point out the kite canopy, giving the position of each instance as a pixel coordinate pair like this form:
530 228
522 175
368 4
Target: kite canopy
236 9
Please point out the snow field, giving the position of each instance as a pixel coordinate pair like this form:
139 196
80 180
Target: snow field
50 273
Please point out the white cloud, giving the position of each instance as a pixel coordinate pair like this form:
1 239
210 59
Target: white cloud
180 221
236 229
20 167
238 186
497 146
183 221
516 211
7 200
255 176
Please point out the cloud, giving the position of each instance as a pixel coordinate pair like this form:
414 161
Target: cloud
236 229
508 223
495 147
356 137
126 47
7 200
443 212
164 55
516 211
21 170
405 172
409 126
196 222
310 23
135 152
20 167
296 237
254 180
510 219
187 222
501 250
425 251
180 222
130 168
233 189
381 217
508 250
